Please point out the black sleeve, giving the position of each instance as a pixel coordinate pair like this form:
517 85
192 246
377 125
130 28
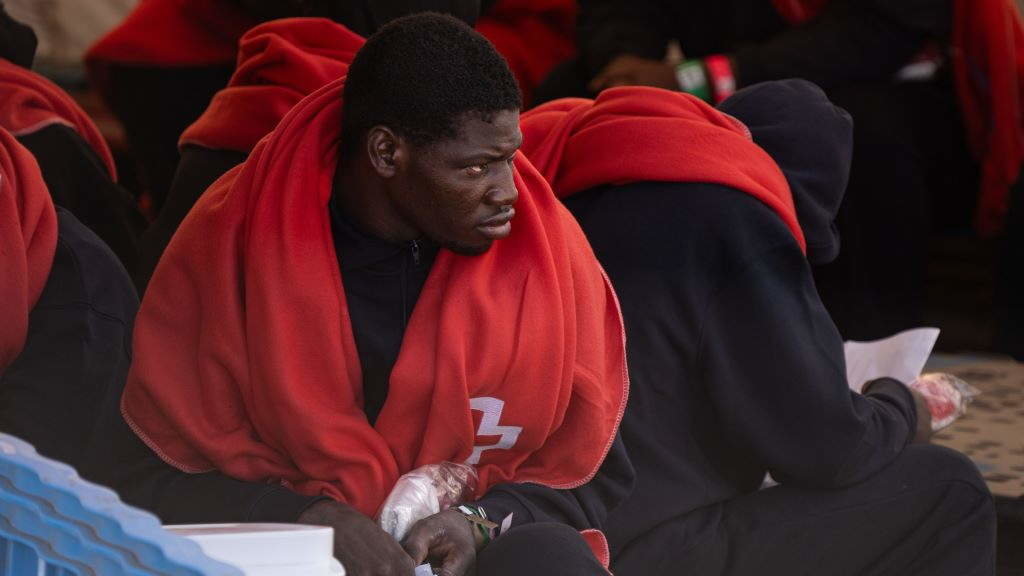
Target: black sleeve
607 28
852 40
120 460
583 508
774 365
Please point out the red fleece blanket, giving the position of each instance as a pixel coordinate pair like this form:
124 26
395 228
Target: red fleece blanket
533 35
988 64
245 359
279 64
31 102
28 239
171 33
636 134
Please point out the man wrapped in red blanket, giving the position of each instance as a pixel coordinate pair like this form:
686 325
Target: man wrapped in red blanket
386 284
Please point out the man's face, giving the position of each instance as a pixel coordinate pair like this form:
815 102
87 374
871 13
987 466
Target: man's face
459 192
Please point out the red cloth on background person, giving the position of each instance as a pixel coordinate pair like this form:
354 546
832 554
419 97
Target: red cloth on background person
31 103
642 134
279 63
987 50
170 33
533 35
245 359
28 241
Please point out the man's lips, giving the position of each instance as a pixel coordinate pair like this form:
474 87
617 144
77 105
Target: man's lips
498 226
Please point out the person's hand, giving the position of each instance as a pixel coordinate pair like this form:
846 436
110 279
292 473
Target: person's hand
630 70
359 544
446 539
923 434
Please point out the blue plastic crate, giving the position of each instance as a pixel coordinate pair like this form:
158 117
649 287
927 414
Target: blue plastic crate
53 523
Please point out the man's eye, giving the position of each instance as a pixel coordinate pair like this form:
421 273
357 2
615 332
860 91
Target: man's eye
477 170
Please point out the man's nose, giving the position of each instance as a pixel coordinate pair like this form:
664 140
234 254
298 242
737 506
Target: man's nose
504 192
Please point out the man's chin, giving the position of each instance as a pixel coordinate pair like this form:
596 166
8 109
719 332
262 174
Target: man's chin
469 249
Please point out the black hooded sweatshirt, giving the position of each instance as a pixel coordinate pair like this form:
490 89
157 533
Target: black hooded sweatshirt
736 367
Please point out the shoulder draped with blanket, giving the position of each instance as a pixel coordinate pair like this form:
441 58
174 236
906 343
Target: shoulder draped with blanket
176 54
261 378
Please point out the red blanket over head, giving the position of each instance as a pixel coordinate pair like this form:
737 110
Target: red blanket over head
28 239
279 63
988 64
31 102
636 134
245 359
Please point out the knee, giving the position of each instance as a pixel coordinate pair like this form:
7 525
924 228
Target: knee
541 537
964 491
947 466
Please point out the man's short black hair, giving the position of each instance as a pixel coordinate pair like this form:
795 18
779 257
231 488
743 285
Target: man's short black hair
419 76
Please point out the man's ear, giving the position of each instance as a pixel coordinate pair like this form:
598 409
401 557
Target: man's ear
386 151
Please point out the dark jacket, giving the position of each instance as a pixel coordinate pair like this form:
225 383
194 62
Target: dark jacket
736 367
78 348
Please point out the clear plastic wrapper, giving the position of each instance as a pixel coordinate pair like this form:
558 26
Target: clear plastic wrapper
947 397
423 492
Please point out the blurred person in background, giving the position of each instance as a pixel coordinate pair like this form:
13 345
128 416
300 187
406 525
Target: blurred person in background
67 28
76 162
927 83
173 56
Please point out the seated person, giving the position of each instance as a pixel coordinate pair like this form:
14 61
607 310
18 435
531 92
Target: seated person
383 284
927 82
735 366
66 319
75 160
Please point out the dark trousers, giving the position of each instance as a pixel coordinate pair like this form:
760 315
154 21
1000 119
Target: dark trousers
539 550
928 513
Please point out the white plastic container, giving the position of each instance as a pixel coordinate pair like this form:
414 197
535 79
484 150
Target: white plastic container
267 549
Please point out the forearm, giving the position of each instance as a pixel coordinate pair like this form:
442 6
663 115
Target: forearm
582 508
